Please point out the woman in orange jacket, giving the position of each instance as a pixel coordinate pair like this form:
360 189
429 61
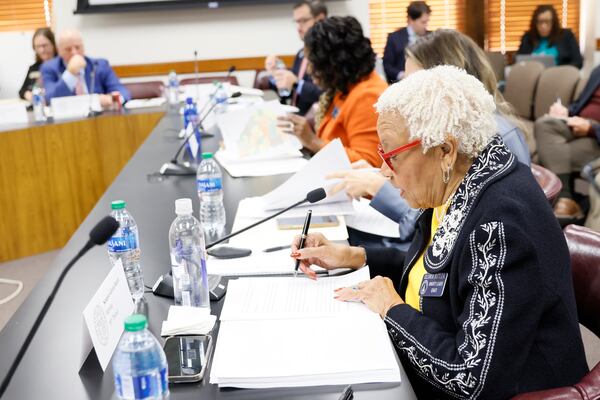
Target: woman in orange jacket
342 63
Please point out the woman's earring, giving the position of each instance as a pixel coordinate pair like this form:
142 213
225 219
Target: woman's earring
446 175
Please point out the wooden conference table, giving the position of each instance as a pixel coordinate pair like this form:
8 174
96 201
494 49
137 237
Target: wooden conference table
50 368
52 175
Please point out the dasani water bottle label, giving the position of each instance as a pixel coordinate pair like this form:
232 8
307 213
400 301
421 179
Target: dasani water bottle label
209 185
126 242
151 385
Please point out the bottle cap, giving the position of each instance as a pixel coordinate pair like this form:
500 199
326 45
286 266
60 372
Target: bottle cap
136 322
118 205
207 155
183 206
189 100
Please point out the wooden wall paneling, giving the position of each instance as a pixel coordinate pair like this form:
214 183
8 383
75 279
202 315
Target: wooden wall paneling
187 67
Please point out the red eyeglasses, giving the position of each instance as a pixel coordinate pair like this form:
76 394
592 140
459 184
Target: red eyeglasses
386 156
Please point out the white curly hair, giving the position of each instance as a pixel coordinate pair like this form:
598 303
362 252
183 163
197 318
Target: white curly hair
441 101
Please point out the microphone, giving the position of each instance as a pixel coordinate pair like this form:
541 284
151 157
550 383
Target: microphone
164 284
98 236
91 112
185 168
229 72
311 197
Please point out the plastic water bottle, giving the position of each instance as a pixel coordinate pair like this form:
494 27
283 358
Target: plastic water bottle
190 114
37 100
209 180
140 365
283 92
125 246
188 258
221 98
173 89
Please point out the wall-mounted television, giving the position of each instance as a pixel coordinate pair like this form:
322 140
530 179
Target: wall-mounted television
105 6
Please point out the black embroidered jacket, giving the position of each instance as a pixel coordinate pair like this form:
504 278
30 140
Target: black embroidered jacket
507 321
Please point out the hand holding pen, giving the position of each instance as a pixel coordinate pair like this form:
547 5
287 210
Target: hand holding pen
303 238
319 251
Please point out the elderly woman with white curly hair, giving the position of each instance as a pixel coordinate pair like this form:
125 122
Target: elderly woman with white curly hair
482 304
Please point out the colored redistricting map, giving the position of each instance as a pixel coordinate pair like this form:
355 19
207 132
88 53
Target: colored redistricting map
261 134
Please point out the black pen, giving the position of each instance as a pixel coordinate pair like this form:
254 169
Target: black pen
303 239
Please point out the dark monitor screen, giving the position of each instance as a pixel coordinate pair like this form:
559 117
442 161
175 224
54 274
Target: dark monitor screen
102 6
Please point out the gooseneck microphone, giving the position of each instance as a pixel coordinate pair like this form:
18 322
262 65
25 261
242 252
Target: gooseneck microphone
311 197
173 167
98 236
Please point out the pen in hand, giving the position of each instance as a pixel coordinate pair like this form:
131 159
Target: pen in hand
303 239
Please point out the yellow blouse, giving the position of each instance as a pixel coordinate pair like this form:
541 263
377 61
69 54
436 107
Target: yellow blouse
415 276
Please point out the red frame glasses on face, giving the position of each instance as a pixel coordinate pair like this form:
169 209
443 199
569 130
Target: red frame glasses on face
386 156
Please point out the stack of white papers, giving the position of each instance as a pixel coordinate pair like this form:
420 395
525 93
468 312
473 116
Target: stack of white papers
183 320
287 332
330 158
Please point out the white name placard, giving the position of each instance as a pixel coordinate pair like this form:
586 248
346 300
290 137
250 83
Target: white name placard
105 315
69 107
13 113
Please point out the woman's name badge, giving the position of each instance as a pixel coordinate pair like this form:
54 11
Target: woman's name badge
433 285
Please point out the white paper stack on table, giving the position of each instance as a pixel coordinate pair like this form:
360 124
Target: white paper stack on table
331 158
289 332
255 145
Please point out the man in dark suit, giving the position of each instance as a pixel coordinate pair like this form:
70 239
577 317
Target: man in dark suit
71 72
568 138
418 13
297 81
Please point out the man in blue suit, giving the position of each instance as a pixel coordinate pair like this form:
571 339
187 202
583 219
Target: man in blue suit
71 73
393 55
